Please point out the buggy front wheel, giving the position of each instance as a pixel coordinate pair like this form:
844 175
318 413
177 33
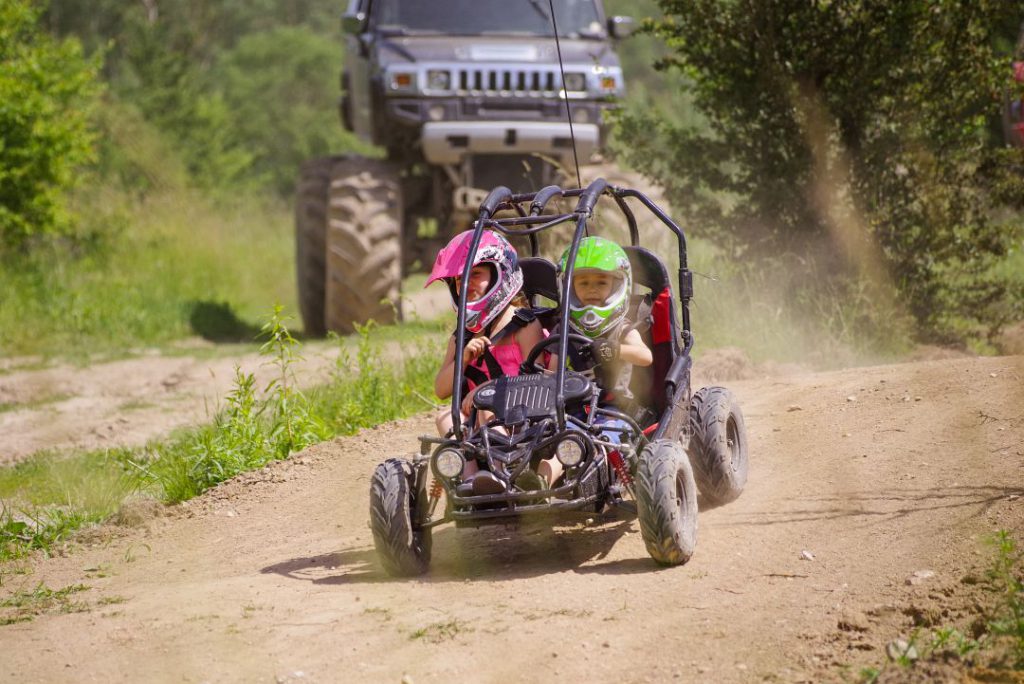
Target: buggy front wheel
395 506
666 502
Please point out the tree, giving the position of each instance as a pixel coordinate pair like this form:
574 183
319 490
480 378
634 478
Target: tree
281 89
854 132
47 90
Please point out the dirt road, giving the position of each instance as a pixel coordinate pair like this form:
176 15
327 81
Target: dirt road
877 473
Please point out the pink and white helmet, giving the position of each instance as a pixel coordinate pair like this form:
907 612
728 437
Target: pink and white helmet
494 250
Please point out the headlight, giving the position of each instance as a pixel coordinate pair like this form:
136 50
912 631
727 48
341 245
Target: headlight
569 452
575 82
438 80
403 80
448 463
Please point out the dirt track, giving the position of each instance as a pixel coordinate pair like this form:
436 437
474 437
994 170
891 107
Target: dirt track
877 472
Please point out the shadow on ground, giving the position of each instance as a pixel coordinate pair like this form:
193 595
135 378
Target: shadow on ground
218 322
495 552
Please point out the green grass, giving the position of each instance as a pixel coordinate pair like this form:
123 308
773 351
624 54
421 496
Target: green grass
23 606
46 498
157 270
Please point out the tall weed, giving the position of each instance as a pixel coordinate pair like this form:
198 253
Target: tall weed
46 498
373 387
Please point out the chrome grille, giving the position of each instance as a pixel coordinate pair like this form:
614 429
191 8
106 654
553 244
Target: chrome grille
514 82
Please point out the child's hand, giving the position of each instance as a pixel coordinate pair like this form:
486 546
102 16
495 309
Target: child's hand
604 351
474 349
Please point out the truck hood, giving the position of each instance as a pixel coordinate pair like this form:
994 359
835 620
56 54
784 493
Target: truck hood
493 50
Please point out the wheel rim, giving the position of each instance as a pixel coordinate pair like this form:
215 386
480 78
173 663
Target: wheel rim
732 443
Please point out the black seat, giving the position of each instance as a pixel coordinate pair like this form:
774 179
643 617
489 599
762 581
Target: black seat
654 310
540 279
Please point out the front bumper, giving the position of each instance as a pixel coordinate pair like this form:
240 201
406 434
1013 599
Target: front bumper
447 142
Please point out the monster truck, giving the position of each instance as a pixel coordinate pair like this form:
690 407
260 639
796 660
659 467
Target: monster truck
460 95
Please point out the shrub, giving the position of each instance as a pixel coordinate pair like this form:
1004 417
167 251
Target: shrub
855 133
47 91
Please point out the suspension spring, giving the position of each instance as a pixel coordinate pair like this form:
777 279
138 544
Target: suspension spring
619 463
434 495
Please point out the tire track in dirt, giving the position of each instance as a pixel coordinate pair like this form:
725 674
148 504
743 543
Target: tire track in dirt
876 472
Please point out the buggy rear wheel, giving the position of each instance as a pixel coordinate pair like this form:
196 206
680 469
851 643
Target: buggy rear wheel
666 502
395 506
718 445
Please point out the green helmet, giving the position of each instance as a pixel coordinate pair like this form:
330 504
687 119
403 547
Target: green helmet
599 254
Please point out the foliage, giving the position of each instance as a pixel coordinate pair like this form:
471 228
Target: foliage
281 89
249 433
374 389
162 268
47 90
1007 580
243 90
855 133
256 428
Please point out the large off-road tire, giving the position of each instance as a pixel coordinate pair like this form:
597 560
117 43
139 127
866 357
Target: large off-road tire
310 241
666 502
718 445
403 547
364 244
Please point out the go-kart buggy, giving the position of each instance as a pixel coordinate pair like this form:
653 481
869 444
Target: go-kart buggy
670 443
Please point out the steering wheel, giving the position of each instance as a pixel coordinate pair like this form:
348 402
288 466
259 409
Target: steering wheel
530 365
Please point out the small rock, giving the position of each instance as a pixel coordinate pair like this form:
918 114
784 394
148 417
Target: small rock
900 648
777 429
741 667
917 398
920 576
702 670
407 679
794 407
846 434
806 555
590 521
906 397
605 644
993 375
852 398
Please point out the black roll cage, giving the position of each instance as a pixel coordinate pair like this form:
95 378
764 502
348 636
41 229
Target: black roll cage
529 222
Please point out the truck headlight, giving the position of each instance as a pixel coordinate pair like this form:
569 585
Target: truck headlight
569 452
403 80
575 82
449 463
438 79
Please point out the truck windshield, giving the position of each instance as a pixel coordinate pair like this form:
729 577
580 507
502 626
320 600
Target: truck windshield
575 18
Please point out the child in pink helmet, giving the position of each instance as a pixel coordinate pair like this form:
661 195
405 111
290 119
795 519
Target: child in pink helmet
499 336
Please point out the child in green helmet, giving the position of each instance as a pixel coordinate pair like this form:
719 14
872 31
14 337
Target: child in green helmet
601 286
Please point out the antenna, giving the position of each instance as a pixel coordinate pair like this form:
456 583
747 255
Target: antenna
565 92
